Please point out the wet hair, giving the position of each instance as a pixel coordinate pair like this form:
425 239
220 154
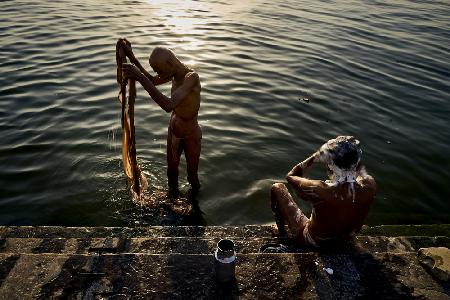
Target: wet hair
345 155
342 156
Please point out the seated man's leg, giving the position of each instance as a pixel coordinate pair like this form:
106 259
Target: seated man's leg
286 211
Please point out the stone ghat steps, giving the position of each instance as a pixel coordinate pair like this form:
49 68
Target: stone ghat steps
200 245
182 240
156 245
134 232
175 276
178 263
249 231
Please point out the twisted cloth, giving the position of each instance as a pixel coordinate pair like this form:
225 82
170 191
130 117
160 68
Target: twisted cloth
136 178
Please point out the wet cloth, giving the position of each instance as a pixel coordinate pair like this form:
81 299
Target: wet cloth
136 178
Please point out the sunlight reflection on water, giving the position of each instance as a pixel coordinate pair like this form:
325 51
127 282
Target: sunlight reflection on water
375 70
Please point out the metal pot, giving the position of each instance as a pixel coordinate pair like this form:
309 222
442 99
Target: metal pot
225 260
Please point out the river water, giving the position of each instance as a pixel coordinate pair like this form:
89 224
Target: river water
378 70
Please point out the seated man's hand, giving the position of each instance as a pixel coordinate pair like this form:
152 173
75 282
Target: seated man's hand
130 71
322 155
317 156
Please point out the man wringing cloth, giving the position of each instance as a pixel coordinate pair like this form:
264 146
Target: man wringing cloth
339 204
184 132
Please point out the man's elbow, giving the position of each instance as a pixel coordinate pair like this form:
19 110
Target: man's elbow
289 178
168 108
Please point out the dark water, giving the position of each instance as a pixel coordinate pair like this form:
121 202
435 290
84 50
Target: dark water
374 69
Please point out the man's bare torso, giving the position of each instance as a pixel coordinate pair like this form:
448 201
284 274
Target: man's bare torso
183 121
338 213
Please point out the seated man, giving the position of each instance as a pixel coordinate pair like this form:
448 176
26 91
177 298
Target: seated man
340 204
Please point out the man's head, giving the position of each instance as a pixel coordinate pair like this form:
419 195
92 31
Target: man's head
342 154
164 62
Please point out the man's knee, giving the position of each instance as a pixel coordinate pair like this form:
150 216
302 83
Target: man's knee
279 195
192 162
173 164
278 188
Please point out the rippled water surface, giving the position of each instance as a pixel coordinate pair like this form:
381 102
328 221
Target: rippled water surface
378 70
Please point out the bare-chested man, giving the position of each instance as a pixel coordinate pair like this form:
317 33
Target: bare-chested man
184 132
340 204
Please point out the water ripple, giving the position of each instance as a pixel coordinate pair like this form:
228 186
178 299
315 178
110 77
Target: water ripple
372 69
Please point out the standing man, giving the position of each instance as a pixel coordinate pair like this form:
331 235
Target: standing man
184 132
340 204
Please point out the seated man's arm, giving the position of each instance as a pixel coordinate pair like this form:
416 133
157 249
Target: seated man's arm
308 189
166 103
302 167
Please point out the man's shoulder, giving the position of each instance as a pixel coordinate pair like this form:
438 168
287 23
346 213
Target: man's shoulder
192 76
368 182
303 182
192 80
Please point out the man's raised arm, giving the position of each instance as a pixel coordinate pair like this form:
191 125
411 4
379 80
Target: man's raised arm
301 168
307 189
126 46
166 103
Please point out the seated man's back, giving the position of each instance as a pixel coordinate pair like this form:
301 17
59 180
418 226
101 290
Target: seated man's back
340 204
339 214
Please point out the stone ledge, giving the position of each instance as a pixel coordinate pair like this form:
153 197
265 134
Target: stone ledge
144 263
437 261
258 276
408 230
201 231
201 245
130 232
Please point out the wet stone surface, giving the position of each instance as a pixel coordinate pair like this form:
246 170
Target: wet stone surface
437 261
178 263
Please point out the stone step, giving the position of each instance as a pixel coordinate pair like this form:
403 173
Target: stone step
175 276
202 245
200 231
129 232
408 230
156 245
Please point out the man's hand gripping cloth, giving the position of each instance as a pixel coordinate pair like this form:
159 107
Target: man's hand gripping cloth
136 178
